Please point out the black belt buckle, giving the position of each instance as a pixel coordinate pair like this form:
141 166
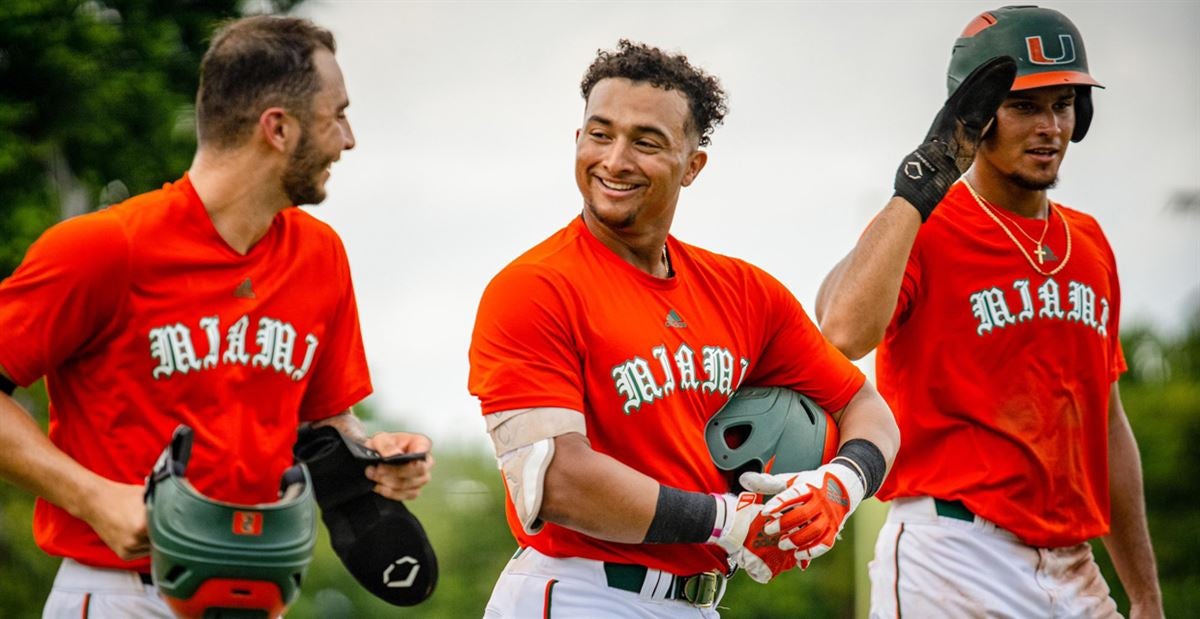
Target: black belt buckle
701 589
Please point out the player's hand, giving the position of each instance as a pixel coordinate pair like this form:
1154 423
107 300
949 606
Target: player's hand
926 174
117 513
748 546
400 482
809 508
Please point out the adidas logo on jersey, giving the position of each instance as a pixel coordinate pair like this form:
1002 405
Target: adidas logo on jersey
675 320
244 290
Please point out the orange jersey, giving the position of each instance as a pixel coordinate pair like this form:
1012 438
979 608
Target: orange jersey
142 318
1000 376
647 361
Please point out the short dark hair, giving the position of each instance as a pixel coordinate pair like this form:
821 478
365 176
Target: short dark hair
252 64
641 63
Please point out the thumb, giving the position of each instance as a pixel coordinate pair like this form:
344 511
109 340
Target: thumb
763 483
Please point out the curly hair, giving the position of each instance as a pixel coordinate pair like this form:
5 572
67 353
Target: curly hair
642 63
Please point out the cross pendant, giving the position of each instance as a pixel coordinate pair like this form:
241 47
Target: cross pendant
1041 253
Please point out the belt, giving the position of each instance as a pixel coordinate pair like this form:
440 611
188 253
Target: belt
700 590
953 509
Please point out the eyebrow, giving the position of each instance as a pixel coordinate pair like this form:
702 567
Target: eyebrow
650 129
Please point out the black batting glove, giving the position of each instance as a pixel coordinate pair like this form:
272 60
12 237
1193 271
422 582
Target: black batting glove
926 174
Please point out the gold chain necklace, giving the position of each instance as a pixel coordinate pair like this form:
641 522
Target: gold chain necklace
1038 242
1040 252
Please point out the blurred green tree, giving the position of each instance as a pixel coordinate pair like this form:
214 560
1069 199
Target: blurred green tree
95 104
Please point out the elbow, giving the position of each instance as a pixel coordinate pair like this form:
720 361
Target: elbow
563 489
853 340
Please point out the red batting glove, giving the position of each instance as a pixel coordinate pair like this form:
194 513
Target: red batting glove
809 508
744 537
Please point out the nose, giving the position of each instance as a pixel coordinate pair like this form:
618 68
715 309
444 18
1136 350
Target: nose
347 136
1049 123
617 158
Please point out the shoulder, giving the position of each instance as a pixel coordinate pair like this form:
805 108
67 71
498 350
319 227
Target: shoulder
309 236
301 222
554 261
1079 220
91 242
727 268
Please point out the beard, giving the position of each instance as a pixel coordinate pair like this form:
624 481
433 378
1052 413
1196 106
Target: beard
305 165
613 222
1032 184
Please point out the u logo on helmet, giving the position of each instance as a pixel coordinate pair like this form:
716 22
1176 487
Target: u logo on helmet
247 523
1037 50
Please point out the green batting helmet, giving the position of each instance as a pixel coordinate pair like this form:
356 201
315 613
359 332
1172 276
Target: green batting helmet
1045 44
216 560
770 429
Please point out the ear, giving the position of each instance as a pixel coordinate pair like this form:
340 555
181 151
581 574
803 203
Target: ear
578 132
278 128
695 163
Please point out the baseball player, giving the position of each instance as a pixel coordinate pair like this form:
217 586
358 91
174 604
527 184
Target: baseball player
599 355
211 303
996 313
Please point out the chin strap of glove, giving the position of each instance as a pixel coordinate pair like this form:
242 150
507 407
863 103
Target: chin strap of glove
377 539
927 173
740 531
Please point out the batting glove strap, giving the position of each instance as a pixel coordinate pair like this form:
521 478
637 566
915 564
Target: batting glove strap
925 176
739 530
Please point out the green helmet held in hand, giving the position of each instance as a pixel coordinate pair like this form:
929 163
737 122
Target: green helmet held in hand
1046 46
216 560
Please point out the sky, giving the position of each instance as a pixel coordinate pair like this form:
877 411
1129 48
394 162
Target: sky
465 114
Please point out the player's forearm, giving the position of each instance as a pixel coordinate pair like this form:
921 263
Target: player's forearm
1128 542
868 417
30 461
594 494
857 299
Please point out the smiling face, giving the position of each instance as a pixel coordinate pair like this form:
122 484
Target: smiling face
325 133
632 156
1029 138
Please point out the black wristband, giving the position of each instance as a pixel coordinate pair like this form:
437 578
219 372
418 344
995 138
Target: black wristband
681 517
865 459
6 385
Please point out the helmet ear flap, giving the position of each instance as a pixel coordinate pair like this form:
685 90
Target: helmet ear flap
1083 112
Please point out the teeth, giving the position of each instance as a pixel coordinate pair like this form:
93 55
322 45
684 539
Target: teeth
617 186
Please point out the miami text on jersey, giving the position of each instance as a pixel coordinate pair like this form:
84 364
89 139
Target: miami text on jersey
171 347
635 380
991 308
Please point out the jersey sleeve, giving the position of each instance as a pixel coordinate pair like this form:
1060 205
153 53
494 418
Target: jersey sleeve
340 376
66 295
1116 353
796 355
908 283
523 346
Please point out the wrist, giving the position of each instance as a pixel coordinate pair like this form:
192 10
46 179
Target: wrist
730 526
866 461
846 474
682 517
87 498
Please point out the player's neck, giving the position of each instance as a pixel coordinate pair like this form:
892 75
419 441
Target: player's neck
1000 191
644 250
241 193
